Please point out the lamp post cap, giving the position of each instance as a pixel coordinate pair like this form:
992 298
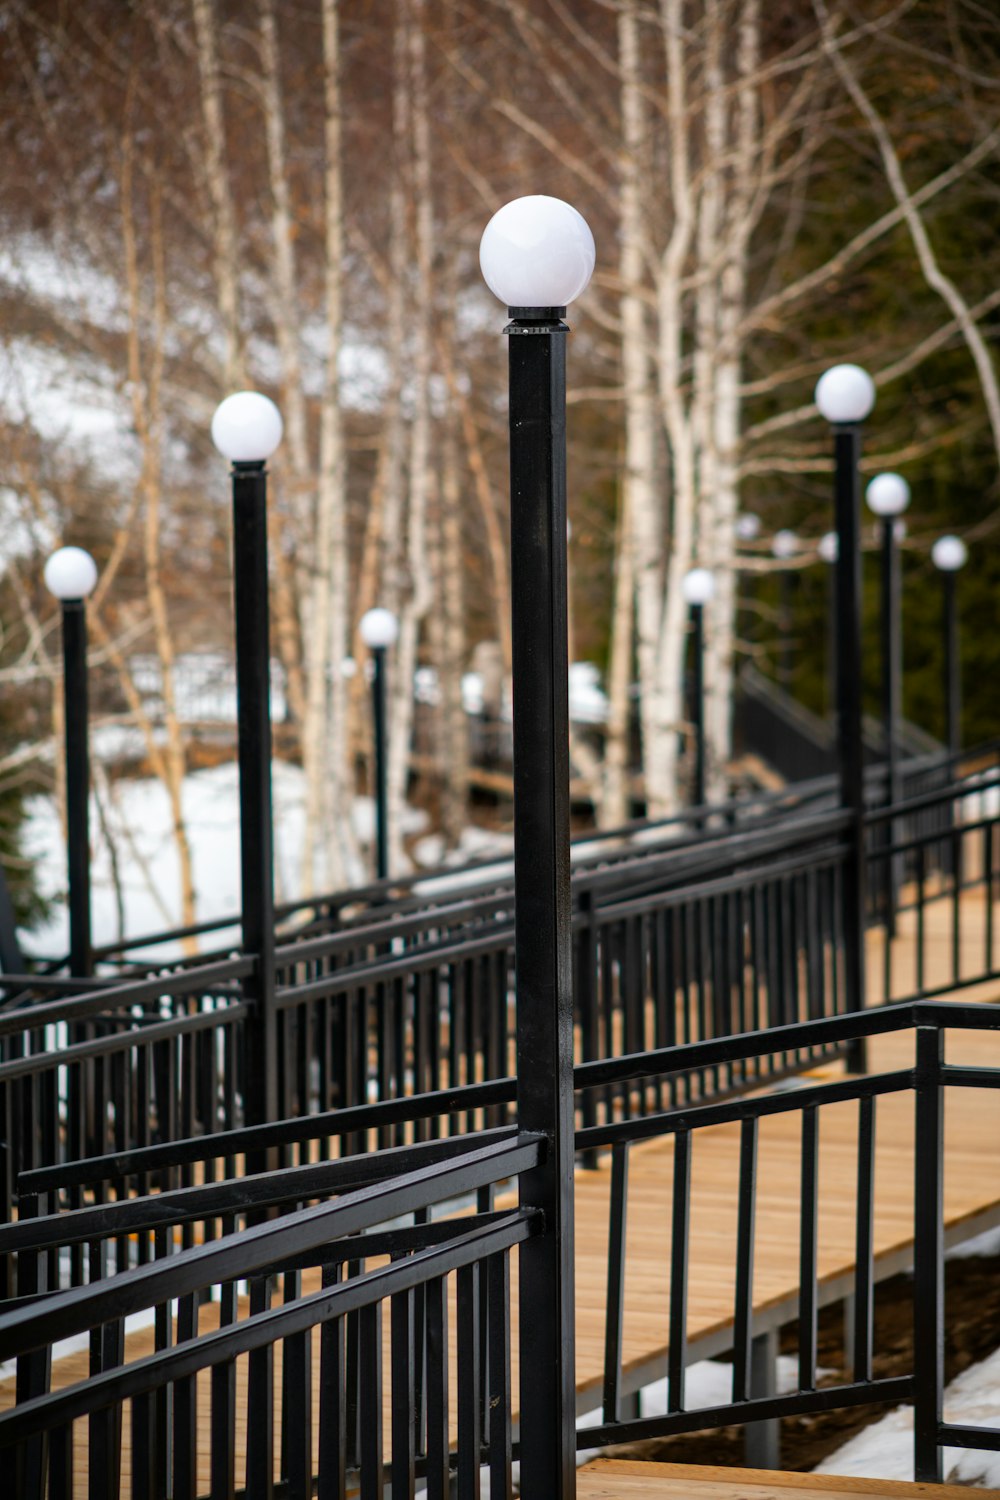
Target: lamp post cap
70 573
247 427
698 586
784 544
379 628
537 252
829 547
747 526
845 393
887 495
949 553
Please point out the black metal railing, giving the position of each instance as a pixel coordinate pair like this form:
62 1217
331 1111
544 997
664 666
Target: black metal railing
927 1081
443 1283
719 932
371 1246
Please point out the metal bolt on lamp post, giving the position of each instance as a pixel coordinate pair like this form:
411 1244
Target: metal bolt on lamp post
379 630
784 545
949 555
698 587
845 395
71 574
537 255
246 429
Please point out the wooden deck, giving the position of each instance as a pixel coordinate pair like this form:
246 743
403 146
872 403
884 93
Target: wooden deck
608 1479
972 1203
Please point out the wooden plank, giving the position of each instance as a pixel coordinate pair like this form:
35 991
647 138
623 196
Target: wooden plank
624 1479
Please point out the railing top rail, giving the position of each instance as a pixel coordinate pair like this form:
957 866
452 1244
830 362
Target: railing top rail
298 1130
905 1016
139 1035
953 792
195 981
237 1256
133 1215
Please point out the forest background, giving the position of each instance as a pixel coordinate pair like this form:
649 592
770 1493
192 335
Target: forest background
200 196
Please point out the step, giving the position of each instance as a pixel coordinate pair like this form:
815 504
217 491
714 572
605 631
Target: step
626 1479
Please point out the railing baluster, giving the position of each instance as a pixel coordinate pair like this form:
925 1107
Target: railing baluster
370 1403
864 1241
928 1258
260 1404
615 1304
677 1352
743 1316
332 1473
470 1414
404 1414
807 1249
438 1472
186 1409
499 1387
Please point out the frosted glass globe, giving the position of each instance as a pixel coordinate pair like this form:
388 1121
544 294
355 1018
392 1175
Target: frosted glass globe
537 252
829 547
949 553
747 526
247 427
845 393
70 573
379 629
785 544
698 586
887 495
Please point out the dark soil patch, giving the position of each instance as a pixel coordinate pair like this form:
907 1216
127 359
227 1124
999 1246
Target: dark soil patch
972 1332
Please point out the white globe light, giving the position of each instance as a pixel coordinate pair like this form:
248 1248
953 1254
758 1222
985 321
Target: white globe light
829 547
698 586
247 427
899 531
348 667
949 553
785 544
537 252
888 495
70 573
379 629
846 393
747 526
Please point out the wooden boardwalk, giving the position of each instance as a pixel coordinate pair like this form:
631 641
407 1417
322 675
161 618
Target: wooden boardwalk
972 1203
610 1479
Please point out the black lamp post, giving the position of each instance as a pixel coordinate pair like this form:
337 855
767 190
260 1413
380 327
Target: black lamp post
247 429
70 574
379 630
537 255
845 395
950 554
827 549
784 546
888 495
698 587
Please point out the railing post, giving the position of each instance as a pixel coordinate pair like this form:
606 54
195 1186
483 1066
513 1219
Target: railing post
928 1258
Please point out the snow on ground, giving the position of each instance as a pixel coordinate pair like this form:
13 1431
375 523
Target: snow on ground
139 822
885 1449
